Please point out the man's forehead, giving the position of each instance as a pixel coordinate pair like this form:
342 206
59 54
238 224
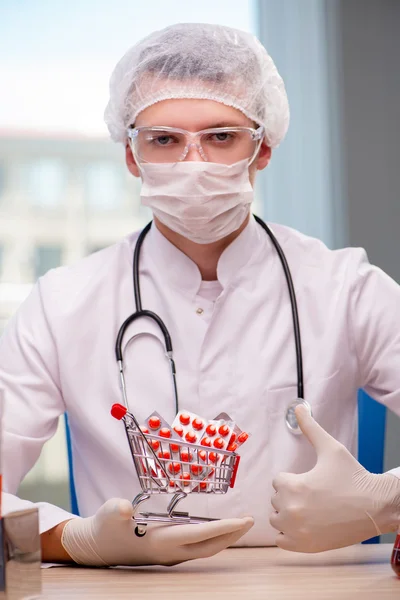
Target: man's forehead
192 114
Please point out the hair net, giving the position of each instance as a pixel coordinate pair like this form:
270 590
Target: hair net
194 60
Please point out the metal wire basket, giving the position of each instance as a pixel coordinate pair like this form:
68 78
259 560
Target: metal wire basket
170 466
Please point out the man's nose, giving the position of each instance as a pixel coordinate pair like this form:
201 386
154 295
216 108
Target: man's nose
193 153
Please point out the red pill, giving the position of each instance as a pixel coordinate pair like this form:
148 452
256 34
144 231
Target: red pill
165 455
155 444
196 469
203 485
186 456
206 442
213 456
165 432
219 443
191 437
154 422
184 419
174 468
174 447
223 430
243 437
144 429
232 447
179 430
203 455
197 424
211 430
185 477
233 438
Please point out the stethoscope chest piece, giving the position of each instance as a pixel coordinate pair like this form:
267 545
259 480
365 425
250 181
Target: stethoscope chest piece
290 416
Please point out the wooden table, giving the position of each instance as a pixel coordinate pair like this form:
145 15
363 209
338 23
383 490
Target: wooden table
246 573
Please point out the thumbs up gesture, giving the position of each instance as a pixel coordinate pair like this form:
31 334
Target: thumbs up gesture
337 503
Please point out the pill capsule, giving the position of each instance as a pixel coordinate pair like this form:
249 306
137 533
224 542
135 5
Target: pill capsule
144 429
243 437
165 432
223 430
186 456
211 430
185 477
213 457
232 447
191 437
164 455
174 447
196 469
203 455
184 419
203 485
197 424
174 468
179 430
154 422
206 442
155 444
219 443
233 438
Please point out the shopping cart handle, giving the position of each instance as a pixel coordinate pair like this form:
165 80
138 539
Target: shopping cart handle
234 473
118 411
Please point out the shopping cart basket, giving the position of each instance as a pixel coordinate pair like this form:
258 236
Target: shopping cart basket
175 467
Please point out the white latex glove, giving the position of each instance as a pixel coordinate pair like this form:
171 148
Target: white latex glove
108 538
337 503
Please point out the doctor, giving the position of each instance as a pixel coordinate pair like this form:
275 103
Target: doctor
199 109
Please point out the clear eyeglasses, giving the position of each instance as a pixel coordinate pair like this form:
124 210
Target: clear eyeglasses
225 145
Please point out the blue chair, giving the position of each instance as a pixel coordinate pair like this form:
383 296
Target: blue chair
371 437
72 491
371 443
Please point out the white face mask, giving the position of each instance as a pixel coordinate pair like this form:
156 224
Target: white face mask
202 201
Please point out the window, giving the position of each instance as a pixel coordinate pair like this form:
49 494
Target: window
104 185
44 182
46 258
2 180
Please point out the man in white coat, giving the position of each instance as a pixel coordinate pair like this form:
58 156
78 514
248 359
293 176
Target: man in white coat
199 109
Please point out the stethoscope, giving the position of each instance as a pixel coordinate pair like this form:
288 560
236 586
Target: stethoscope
290 416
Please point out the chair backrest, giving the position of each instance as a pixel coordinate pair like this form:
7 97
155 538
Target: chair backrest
72 491
371 436
371 442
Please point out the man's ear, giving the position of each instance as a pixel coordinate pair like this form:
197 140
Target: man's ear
130 161
263 157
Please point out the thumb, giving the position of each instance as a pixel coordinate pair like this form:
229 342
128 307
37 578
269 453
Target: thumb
320 439
118 509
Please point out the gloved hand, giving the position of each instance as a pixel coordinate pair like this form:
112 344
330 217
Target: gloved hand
337 503
108 538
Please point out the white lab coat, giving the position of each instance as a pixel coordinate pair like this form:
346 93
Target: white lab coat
238 356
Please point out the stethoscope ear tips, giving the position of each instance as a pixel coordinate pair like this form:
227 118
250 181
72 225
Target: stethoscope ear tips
290 416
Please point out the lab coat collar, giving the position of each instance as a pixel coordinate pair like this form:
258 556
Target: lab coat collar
183 273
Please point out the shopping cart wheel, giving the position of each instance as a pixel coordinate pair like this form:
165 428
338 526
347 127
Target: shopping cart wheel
140 530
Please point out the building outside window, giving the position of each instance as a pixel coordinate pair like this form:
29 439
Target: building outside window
104 185
44 181
46 258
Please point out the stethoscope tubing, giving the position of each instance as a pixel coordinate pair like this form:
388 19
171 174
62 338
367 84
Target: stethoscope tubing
141 313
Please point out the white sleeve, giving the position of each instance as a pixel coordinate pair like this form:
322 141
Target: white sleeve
375 321
33 401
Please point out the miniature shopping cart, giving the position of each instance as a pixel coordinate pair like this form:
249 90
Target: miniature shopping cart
171 466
